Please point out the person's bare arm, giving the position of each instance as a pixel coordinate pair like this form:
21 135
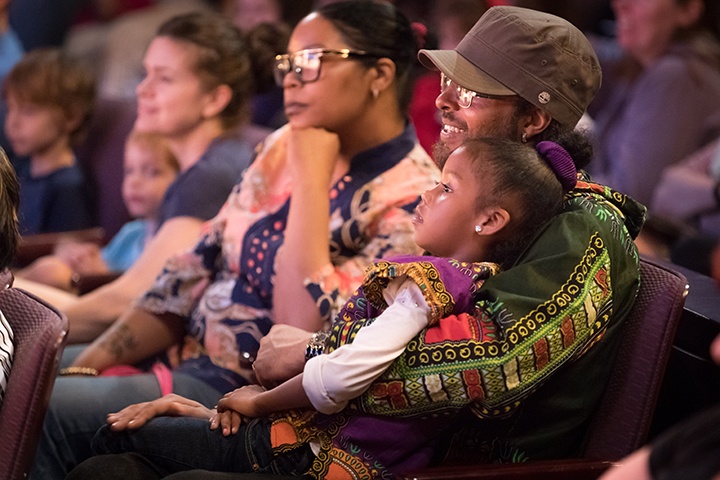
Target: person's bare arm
137 335
93 313
312 157
135 416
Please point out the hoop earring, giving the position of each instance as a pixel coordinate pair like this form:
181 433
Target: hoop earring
523 138
478 229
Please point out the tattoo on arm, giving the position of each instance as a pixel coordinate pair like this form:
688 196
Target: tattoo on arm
120 342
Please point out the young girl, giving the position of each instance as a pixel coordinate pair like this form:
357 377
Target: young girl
392 381
150 168
49 99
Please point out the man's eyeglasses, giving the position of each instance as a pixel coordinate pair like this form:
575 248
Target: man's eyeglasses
465 96
305 64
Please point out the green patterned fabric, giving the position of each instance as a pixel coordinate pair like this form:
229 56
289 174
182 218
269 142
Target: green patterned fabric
572 288
514 372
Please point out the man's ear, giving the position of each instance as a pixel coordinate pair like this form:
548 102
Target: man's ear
491 220
536 122
217 99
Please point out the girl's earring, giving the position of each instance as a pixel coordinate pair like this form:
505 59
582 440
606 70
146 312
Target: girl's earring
478 229
375 93
523 139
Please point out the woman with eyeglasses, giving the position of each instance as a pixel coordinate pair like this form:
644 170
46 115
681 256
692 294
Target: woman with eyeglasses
328 193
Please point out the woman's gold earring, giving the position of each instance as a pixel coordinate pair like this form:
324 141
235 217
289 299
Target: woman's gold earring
478 229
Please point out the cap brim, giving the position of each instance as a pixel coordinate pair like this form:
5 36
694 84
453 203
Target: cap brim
462 72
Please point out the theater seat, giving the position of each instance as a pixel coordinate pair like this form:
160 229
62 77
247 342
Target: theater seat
40 335
623 420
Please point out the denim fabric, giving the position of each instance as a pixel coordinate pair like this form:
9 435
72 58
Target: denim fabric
169 445
78 408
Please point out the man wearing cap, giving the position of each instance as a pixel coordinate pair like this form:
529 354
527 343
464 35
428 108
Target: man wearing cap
528 76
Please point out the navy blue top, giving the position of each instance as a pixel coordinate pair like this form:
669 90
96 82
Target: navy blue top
57 202
200 191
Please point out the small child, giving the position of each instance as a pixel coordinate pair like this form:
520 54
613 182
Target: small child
149 169
49 99
375 405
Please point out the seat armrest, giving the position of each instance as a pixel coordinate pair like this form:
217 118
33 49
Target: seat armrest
32 247
82 284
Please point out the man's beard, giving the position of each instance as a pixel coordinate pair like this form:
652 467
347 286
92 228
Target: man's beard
508 129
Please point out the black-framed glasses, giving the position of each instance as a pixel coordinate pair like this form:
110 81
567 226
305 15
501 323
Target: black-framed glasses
306 64
465 96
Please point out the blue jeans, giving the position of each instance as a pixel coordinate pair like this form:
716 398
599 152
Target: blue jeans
78 408
168 445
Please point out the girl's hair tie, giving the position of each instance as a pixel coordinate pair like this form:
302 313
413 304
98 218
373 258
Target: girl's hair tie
560 162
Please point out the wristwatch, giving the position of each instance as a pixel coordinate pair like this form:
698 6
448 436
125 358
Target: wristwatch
316 345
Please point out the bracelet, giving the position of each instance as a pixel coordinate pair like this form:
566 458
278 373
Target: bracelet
316 345
88 371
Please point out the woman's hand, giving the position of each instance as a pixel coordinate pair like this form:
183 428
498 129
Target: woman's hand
313 154
137 415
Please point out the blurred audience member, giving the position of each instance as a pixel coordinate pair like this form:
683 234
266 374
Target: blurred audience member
659 91
149 169
689 191
50 98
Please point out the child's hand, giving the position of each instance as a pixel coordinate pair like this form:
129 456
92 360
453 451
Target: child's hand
137 415
242 400
229 421
83 258
234 407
